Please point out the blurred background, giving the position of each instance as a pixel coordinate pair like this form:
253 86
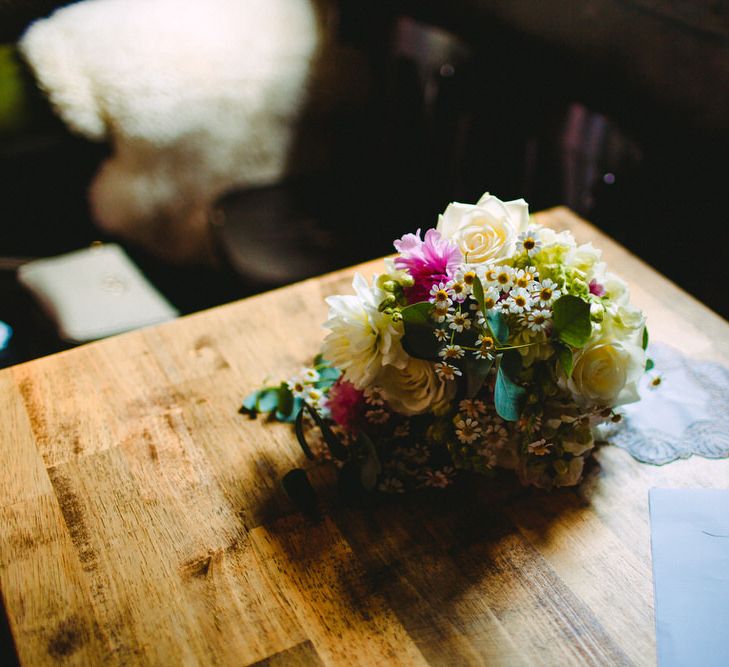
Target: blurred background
618 109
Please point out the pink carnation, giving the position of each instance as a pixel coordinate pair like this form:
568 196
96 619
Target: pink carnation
428 261
596 288
345 403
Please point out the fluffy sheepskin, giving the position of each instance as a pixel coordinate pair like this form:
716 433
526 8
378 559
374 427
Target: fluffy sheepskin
194 97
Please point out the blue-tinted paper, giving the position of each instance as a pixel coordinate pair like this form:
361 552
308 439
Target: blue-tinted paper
690 544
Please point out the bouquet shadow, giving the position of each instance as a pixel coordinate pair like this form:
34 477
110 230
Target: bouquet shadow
443 562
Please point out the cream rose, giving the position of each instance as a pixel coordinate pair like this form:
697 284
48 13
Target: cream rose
414 389
486 231
607 373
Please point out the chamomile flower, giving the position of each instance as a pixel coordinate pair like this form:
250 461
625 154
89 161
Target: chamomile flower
309 375
519 300
529 242
490 297
539 447
524 278
538 320
467 275
440 312
495 436
487 273
438 479
458 321
468 430
441 295
391 485
298 386
452 352
472 408
458 290
546 291
441 335
314 397
504 278
485 346
447 371
373 395
377 416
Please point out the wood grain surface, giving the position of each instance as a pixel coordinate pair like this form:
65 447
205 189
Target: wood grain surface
142 519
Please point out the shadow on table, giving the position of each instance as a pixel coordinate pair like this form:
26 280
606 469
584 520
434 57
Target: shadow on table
450 565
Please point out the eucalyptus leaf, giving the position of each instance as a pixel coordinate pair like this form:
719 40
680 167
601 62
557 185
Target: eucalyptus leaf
418 339
477 370
498 326
267 400
337 449
571 317
508 396
249 404
370 469
328 375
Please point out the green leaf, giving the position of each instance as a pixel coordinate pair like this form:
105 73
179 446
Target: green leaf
645 338
299 430
478 294
649 365
320 361
477 370
370 469
337 449
571 317
508 396
418 340
566 358
285 402
499 327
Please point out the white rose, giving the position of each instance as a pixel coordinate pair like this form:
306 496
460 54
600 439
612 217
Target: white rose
624 322
583 258
415 388
486 231
362 339
616 289
606 373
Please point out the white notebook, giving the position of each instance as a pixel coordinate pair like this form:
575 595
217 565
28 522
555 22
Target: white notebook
94 293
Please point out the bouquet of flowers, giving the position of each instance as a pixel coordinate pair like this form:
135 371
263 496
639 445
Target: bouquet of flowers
489 342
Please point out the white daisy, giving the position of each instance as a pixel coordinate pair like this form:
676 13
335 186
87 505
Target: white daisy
298 386
467 275
529 242
538 320
458 321
468 430
539 447
441 295
373 395
452 352
473 408
519 300
485 346
440 335
545 292
458 290
440 312
504 278
447 371
378 416
524 278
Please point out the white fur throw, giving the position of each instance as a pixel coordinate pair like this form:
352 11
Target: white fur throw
194 97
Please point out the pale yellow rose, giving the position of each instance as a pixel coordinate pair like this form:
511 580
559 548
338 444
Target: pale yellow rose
606 373
486 231
415 388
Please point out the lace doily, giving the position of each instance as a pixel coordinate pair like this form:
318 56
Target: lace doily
684 410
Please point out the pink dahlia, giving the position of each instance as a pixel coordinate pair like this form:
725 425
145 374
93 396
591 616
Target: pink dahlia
345 403
428 261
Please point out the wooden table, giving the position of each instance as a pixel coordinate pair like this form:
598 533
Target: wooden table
143 521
